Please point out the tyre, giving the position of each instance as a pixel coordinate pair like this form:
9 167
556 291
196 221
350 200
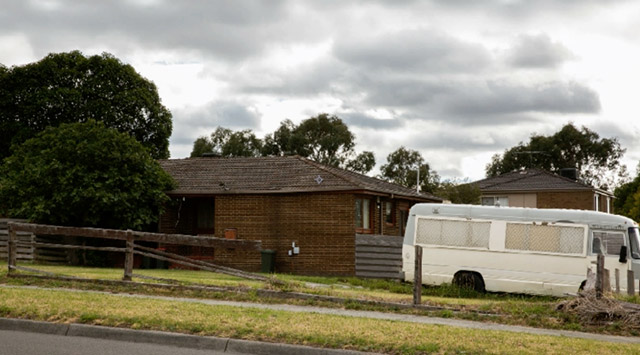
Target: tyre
469 280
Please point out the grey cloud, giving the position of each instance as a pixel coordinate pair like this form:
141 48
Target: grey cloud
538 51
509 98
362 120
228 114
411 50
228 30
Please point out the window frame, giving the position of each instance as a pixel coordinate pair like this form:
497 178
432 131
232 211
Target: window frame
202 228
495 198
363 210
392 213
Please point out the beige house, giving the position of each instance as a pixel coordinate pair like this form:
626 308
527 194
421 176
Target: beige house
542 189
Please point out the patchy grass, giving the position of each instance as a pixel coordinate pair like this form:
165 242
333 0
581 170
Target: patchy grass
535 311
288 327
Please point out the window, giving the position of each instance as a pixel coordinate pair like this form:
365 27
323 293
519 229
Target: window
389 213
608 204
204 216
596 202
607 243
495 201
363 215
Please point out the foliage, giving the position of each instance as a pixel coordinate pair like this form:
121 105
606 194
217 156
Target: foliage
69 87
227 143
627 198
84 174
362 163
459 192
282 141
323 138
597 159
402 169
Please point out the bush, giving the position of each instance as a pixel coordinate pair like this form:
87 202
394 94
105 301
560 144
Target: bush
84 174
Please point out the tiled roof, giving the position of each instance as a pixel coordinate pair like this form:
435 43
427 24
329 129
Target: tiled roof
269 175
530 180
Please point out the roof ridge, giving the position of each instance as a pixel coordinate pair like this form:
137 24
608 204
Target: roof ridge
355 182
326 169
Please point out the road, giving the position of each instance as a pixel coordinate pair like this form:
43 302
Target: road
27 343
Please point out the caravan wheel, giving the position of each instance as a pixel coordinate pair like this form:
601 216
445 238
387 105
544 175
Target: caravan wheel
469 279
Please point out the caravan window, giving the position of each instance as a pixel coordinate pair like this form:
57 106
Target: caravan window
502 201
607 243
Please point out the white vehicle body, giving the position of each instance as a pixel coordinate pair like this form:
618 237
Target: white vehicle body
519 250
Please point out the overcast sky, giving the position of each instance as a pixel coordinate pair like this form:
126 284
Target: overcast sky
458 80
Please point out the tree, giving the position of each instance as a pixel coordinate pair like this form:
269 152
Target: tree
69 87
282 141
459 192
402 169
363 163
84 174
325 139
596 159
228 143
627 198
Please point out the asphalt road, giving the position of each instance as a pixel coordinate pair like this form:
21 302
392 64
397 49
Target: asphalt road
27 343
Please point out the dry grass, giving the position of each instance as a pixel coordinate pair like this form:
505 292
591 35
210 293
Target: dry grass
288 327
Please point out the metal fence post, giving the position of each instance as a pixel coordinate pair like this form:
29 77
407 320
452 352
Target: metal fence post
417 277
128 257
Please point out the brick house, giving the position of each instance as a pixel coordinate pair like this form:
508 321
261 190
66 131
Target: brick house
281 201
542 189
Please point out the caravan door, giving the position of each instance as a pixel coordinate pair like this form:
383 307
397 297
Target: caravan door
609 242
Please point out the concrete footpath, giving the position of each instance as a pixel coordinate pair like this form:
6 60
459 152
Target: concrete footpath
373 315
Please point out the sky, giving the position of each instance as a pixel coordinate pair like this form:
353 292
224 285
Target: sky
457 80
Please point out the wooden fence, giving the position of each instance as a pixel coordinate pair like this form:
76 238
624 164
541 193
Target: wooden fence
25 249
14 245
379 256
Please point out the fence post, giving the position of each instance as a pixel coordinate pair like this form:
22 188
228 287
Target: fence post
617 276
417 277
128 257
630 284
599 276
12 252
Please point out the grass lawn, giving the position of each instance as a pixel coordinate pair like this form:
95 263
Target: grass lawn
533 311
288 327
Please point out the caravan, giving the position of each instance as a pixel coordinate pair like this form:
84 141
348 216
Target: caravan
520 250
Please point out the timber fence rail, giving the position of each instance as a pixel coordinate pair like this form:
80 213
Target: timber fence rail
14 245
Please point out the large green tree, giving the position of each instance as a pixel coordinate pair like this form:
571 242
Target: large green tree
84 174
69 87
402 168
323 138
596 159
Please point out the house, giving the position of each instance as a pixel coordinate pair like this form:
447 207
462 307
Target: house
308 213
542 189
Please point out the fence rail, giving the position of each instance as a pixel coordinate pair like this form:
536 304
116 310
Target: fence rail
15 244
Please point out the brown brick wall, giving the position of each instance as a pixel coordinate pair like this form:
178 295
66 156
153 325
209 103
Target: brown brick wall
322 225
582 200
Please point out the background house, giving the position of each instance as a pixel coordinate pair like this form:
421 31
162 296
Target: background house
542 189
281 201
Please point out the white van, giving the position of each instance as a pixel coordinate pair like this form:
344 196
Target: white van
520 250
